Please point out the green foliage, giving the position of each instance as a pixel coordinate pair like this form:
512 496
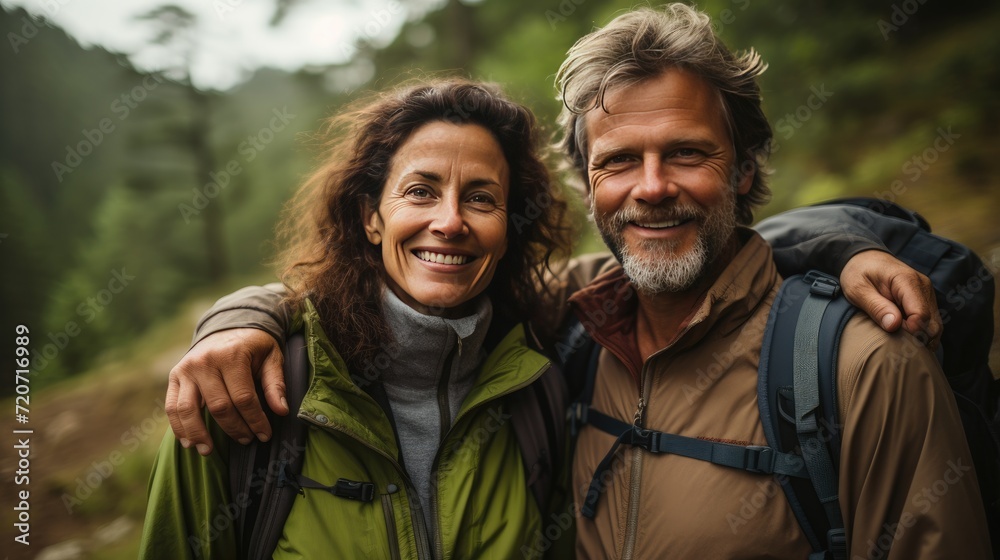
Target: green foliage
129 273
141 200
137 195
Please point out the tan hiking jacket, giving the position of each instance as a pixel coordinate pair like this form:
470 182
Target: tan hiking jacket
907 488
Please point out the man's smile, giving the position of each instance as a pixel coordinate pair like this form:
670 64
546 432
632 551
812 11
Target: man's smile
661 224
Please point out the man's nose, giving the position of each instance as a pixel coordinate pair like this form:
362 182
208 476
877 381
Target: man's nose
656 183
448 221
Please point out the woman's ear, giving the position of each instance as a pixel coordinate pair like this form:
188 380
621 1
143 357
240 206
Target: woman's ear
373 224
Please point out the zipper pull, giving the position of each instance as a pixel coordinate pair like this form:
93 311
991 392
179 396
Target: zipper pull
638 412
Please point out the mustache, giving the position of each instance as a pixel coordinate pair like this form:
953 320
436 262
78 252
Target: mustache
653 214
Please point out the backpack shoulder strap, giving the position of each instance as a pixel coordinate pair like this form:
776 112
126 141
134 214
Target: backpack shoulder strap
578 353
797 396
537 416
245 466
258 470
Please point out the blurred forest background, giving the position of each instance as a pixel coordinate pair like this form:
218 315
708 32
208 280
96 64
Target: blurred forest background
129 201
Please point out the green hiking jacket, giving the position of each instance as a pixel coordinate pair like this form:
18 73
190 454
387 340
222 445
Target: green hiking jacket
482 507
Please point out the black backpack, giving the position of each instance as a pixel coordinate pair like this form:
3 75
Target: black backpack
797 377
265 478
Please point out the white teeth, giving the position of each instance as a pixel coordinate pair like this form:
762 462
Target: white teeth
659 225
442 259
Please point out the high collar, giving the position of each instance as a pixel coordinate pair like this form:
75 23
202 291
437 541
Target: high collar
607 307
337 399
421 344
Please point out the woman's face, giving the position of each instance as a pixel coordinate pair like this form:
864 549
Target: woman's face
442 218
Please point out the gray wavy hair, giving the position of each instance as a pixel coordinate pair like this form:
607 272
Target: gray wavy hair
643 43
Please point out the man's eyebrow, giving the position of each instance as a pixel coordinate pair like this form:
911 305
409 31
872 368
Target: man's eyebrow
692 141
600 152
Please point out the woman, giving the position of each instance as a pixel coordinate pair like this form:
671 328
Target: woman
398 247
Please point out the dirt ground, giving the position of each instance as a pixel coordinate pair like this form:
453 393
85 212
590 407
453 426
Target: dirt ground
89 459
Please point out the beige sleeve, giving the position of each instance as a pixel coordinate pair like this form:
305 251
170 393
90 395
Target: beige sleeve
257 307
907 485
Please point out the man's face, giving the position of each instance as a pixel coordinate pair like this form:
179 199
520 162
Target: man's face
661 166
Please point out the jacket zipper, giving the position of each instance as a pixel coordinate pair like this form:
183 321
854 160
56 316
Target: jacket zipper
438 547
390 527
419 525
423 545
444 409
442 393
635 481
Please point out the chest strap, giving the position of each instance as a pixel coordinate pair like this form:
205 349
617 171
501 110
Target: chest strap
751 458
344 488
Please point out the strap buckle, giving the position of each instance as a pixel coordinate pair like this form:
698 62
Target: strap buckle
353 490
759 459
836 542
285 478
645 439
822 285
577 416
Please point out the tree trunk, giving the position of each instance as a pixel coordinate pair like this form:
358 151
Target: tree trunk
215 250
462 31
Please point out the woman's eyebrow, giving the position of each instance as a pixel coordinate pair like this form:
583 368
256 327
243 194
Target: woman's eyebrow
429 175
436 177
481 181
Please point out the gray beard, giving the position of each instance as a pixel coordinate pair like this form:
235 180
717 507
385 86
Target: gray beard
656 267
668 273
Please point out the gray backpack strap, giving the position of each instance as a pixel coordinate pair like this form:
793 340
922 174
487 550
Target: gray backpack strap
797 397
808 411
259 471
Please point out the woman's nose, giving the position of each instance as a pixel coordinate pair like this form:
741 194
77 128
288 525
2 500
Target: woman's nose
448 221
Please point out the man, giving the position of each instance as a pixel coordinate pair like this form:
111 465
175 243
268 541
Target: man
664 124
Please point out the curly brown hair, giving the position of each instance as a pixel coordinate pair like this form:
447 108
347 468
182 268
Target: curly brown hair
326 255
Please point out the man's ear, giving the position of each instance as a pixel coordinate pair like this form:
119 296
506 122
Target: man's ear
748 172
373 224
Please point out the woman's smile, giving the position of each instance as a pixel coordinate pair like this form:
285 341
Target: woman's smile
443 258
